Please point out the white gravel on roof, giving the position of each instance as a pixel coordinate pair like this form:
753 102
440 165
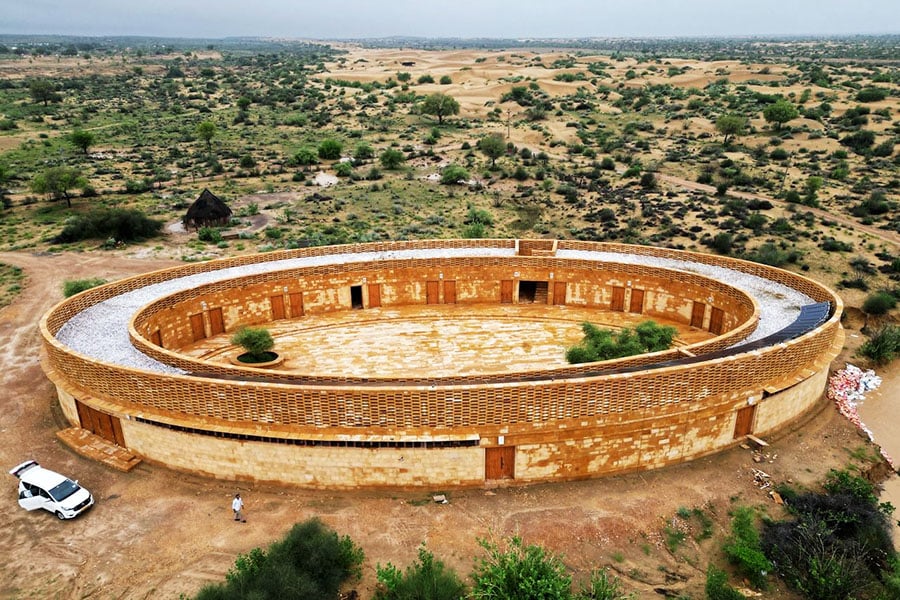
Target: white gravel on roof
101 331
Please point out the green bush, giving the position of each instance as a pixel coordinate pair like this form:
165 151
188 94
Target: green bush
838 545
256 341
603 344
883 345
743 548
425 579
209 234
75 286
519 572
123 225
310 563
717 587
879 303
603 586
454 174
330 149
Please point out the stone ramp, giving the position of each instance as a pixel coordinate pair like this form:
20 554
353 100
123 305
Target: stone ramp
95 447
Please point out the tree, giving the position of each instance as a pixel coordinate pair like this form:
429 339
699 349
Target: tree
330 149
440 106
391 158
82 140
492 146
454 174
780 113
43 90
207 131
306 157
363 151
731 126
257 342
58 182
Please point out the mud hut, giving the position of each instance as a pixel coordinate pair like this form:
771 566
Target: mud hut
207 211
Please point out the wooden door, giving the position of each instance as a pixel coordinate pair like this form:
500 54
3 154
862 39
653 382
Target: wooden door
715 320
374 295
637 301
618 299
296 299
197 327
506 291
156 338
277 307
697 314
106 426
559 293
743 423
216 321
432 292
500 463
449 292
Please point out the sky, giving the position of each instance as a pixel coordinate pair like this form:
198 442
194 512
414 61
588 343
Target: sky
342 19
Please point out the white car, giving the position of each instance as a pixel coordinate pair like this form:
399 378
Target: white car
43 488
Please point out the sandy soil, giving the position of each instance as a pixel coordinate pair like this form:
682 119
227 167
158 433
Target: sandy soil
155 533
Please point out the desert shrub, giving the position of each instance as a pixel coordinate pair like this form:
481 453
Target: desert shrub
882 345
879 303
602 586
454 174
391 159
830 244
256 341
604 344
75 286
743 548
717 587
519 572
343 169
124 225
209 234
330 149
648 181
871 94
310 563
838 545
426 579
859 141
772 255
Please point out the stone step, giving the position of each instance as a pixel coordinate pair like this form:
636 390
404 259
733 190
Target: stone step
97 448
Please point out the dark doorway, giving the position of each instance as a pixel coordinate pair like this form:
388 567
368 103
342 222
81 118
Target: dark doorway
527 291
534 292
356 300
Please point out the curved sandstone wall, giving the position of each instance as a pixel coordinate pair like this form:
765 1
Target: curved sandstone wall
527 428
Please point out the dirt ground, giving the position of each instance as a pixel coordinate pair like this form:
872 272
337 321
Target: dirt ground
155 533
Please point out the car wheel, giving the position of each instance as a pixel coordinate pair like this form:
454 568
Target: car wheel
60 516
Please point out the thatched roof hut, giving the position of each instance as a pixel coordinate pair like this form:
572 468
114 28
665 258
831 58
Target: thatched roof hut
207 211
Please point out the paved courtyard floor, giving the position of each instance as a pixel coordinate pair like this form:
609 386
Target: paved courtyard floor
433 340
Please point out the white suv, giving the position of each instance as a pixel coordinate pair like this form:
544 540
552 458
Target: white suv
43 488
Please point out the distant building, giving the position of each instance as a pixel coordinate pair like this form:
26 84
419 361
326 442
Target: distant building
207 211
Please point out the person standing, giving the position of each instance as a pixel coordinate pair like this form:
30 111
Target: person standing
237 506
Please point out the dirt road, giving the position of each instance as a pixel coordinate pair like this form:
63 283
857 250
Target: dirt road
155 533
